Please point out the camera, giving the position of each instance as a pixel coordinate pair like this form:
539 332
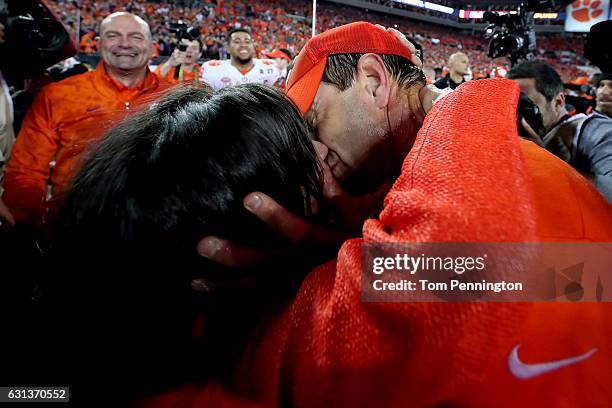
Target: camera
511 34
184 31
34 38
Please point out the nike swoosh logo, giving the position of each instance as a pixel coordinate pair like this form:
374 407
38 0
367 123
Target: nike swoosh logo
527 371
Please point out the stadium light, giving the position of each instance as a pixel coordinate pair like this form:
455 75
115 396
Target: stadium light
427 5
416 3
438 7
478 14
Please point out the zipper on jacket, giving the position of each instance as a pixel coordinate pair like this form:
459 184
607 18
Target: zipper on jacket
127 106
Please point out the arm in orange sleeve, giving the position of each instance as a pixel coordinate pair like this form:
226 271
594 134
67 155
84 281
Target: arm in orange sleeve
158 71
26 174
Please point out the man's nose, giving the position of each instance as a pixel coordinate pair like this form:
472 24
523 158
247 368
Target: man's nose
125 42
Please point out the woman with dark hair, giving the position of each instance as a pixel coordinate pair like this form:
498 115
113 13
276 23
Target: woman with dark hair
156 184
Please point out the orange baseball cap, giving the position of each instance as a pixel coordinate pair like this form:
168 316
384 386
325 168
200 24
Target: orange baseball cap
353 38
278 54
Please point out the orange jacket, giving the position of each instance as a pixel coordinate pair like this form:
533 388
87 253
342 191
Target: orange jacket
468 178
188 76
64 118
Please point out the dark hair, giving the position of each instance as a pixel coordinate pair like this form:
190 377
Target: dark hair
341 69
156 184
180 170
237 30
196 40
286 52
547 80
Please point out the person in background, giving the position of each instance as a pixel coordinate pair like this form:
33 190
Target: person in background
182 66
282 57
583 141
67 116
458 68
88 43
604 94
242 67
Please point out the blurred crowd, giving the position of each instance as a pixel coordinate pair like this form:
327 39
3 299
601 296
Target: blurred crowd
287 24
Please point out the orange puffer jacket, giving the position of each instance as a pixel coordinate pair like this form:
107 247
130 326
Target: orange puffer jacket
64 118
468 178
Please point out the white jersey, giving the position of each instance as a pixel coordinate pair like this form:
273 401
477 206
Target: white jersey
219 74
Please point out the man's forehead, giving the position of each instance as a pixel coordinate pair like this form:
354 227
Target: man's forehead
240 35
123 23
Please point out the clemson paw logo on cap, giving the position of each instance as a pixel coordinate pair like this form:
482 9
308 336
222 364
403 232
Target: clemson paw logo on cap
585 10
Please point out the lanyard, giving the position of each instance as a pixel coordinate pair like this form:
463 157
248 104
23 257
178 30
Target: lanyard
195 76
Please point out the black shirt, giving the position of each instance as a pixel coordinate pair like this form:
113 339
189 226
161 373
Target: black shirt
447 82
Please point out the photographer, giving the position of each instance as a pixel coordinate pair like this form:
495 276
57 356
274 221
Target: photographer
604 94
580 140
182 66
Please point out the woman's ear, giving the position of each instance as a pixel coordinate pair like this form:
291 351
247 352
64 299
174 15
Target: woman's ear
374 78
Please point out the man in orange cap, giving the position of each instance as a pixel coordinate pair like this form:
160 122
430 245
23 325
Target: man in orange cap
460 174
282 58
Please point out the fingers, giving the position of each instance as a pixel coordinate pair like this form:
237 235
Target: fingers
400 36
413 51
203 285
290 227
229 254
286 224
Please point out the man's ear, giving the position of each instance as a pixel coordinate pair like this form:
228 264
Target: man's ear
373 77
559 101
